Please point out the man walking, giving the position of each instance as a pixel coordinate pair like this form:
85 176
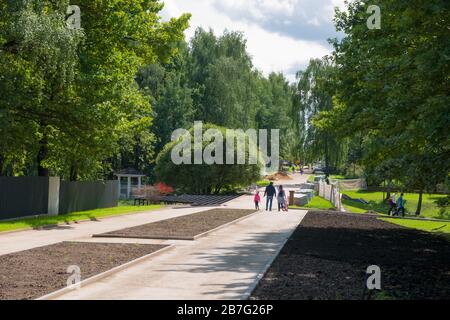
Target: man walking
270 192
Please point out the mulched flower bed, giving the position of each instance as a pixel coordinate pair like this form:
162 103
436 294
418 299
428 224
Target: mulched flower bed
181 228
328 254
33 273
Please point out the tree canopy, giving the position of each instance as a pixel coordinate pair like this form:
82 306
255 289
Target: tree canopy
69 99
81 103
392 90
207 178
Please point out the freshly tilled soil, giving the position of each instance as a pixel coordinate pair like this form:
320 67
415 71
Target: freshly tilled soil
33 273
183 228
328 254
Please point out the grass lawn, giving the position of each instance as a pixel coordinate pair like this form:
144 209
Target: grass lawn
429 226
337 176
342 177
73 217
317 203
263 183
310 178
376 203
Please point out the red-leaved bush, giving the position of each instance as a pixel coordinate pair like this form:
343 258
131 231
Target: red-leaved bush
163 188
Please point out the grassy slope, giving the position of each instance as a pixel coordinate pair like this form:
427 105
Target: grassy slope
430 226
263 183
337 176
72 217
442 228
376 203
317 203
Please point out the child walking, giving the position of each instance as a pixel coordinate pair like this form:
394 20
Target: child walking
257 200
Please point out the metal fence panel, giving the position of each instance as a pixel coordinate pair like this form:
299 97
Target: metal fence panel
87 195
23 196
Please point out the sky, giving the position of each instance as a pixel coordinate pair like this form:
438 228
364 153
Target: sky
282 35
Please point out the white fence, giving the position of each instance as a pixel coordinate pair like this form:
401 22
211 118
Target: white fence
331 193
351 184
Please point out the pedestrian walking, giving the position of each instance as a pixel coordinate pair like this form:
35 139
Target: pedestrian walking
257 200
392 208
401 205
270 192
281 199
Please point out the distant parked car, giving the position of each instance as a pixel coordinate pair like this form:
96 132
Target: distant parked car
318 170
323 170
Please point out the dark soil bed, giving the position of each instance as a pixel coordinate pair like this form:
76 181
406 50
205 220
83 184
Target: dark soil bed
328 254
183 228
33 273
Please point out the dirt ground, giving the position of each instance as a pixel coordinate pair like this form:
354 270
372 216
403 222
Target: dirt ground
278 176
328 255
33 273
184 227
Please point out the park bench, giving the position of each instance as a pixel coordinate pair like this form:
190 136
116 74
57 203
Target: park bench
146 195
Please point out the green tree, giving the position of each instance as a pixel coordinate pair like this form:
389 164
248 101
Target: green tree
274 109
171 100
205 178
222 79
81 96
392 88
38 69
314 95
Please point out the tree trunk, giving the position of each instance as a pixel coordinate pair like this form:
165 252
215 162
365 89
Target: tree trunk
73 176
419 204
327 160
42 155
388 190
137 153
1 165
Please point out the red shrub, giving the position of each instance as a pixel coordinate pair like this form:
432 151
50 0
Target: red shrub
163 188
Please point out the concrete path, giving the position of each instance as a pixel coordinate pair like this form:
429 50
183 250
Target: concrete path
223 265
226 264
28 239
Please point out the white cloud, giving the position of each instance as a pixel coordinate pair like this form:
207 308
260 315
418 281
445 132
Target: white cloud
275 52
272 49
259 9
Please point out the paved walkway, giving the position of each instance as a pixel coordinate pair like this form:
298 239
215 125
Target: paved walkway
225 264
28 239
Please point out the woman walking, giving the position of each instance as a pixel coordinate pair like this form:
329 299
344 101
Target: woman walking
281 199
